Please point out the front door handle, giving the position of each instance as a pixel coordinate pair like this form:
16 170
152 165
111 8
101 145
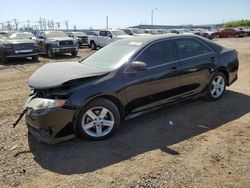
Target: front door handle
173 68
212 59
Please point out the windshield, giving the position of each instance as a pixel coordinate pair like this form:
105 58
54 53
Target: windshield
79 34
29 35
2 37
137 31
184 31
112 56
17 36
154 32
118 32
53 34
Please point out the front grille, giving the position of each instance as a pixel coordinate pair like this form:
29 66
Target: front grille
84 39
26 46
66 43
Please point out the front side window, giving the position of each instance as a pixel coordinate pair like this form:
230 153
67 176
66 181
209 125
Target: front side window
157 54
103 33
188 47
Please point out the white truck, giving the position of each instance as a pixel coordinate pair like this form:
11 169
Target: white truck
105 37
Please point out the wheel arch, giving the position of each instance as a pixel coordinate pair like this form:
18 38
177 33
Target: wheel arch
111 98
225 72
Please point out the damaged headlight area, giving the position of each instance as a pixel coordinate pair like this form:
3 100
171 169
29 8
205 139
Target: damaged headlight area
44 104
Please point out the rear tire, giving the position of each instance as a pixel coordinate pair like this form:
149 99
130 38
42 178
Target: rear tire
3 57
216 87
98 120
50 53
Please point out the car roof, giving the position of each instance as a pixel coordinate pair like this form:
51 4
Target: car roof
147 39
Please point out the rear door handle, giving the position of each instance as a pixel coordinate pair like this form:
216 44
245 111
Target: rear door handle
173 68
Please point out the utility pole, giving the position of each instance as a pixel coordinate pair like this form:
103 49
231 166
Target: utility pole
28 24
58 25
67 24
16 23
40 23
74 28
152 15
44 24
107 22
8 25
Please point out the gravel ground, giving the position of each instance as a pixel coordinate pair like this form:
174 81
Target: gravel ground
208 145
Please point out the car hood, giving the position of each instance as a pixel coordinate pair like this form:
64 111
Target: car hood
55 74
19 41
124 36
60 38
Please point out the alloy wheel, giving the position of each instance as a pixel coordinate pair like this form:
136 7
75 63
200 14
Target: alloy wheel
217 86
98 122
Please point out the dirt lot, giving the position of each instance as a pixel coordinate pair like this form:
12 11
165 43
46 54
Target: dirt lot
208 145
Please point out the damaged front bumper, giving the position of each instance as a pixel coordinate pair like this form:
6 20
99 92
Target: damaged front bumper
51 126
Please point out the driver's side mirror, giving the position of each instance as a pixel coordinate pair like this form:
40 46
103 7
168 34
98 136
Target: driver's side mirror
137 66
110 35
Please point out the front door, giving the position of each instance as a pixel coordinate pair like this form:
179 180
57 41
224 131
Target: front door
158 84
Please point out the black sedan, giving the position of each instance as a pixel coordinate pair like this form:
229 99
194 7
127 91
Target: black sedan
123 80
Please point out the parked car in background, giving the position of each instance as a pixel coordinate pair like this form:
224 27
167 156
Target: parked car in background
93 33
205 33
229 32
152 31
247 31
106 37
180 31
134 32
56 42
81 37
17 45
123 80
30 35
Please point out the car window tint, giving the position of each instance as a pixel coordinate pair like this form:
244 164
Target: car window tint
103 33
157 54
190 47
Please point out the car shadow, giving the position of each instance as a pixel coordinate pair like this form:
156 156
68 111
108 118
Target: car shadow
157 130
18 61
65 56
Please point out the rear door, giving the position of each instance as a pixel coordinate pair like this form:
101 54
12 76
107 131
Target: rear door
159 83
197 62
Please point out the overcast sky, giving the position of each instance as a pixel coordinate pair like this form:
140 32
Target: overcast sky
123 13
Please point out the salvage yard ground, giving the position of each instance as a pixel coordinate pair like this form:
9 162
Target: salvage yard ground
208 144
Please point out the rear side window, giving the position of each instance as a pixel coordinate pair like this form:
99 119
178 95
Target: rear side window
188 47
157 54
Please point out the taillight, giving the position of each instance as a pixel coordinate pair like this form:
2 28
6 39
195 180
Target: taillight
236 53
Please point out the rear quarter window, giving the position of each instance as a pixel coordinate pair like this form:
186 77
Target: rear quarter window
188 47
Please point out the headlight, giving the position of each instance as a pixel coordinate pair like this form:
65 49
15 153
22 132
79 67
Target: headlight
44 104
7 46
55 43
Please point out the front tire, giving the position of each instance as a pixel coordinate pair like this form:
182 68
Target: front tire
98 120
93 45
74 53
216 87
50 53
35 58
